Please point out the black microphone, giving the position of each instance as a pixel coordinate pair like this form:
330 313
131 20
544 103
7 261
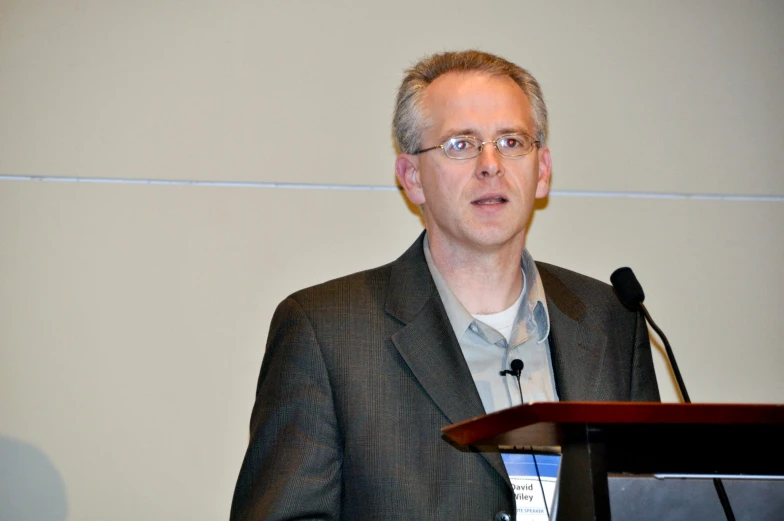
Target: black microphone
627 286
631 294
516 370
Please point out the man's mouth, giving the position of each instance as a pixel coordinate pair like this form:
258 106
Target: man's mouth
490 200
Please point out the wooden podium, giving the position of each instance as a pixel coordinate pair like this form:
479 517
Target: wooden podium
597 438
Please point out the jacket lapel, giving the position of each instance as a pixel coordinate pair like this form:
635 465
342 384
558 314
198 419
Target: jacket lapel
576 348
428 345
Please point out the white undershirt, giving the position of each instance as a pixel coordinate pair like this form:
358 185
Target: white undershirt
503 321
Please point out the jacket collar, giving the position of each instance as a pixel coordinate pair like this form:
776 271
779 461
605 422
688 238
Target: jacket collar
428 345
576 347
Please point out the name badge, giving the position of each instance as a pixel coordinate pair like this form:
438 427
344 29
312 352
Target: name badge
533 490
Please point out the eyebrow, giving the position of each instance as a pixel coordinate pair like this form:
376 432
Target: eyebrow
513 130
458 132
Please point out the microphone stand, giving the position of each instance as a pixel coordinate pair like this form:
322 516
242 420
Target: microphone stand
717 483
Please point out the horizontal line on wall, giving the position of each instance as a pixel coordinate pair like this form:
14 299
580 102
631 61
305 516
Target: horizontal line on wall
172 182
314 186
655 195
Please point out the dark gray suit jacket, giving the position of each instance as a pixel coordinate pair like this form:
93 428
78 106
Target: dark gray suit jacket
361 373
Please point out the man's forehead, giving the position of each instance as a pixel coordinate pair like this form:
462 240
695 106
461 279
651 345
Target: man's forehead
463 100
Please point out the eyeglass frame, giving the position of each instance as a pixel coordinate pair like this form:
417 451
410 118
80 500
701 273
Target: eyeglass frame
536 144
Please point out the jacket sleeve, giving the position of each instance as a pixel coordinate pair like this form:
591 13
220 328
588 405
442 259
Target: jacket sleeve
643 383
292 468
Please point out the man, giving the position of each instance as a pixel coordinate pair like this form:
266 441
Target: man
361 373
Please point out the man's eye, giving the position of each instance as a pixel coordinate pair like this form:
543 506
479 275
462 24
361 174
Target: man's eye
460 144
511 142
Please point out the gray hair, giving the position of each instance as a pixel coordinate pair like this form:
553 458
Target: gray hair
409 119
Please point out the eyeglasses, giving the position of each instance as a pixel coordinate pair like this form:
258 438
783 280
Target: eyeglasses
467 147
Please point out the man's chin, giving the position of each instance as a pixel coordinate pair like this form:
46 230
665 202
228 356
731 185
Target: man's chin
491 240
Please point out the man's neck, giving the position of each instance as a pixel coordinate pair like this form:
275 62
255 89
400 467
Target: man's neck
485 281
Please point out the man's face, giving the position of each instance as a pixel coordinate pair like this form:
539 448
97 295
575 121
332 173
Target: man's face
483 203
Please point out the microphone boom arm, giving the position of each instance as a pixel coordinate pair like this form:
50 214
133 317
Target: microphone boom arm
670 355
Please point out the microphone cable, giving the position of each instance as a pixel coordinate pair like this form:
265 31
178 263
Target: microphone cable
516 370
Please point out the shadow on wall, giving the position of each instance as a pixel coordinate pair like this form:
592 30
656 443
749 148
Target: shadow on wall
30 485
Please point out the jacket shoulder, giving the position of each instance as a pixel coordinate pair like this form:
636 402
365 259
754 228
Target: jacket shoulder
570 278
369 288
349 290
580 291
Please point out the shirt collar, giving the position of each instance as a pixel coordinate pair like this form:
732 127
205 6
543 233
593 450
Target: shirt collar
535 298
534 301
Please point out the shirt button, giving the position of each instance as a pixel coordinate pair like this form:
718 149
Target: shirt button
474 328
502 516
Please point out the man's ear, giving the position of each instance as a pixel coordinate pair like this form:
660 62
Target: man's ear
406 170
545 169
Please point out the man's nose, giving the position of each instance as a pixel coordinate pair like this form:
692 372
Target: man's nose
489 161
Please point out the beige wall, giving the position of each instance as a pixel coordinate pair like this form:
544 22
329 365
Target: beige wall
133 315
